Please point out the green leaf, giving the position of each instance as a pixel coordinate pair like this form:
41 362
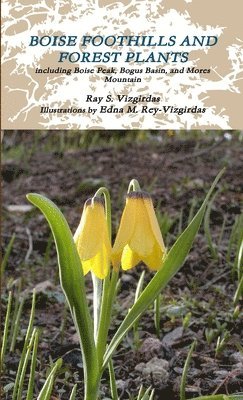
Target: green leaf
172 264
72 282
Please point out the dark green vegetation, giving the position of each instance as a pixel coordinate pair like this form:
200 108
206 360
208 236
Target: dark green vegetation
201 303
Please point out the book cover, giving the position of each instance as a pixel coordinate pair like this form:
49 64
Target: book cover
122 64
121 201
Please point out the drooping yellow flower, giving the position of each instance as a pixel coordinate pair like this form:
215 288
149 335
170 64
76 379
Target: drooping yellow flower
92 239
139 237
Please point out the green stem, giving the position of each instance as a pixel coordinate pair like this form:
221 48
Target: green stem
102 331
99 302
109 289
134 186
113 386
185 371
105 192
5 333
157 314
97 293
137 294
103 322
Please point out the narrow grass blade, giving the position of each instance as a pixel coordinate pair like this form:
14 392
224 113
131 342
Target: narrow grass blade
26 343
207 228
147 394
180 222
172 264
137 294
185 371
140 393
6 328
17 295
25 364
237 227
113 386
31 384
16 325
239 292
152 395
46 390
238 396
72 282
192 209
63 322
139 286
222 230
157 314
73 393
7 254
238 261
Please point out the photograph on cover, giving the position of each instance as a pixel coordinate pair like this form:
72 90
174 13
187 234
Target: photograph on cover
144 301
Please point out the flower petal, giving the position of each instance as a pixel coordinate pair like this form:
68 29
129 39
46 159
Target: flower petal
86 266
142 239
129 258
125 230
155 260
88 235
154 223
100 263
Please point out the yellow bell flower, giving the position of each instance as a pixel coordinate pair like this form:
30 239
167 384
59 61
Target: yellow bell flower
139 237
92 239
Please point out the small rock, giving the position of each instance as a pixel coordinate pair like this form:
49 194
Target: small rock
121 384
171 338
74 338
42 287
236 358
195 183
155 369
19 208
150 348
220 374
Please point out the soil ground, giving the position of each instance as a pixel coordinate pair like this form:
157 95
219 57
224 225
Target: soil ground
177 170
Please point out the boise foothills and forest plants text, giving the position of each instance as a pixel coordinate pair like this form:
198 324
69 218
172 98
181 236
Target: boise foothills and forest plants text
120 43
